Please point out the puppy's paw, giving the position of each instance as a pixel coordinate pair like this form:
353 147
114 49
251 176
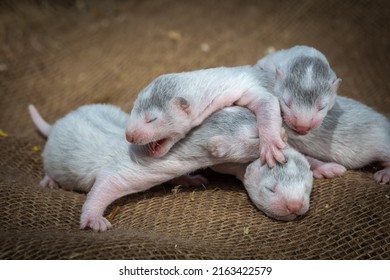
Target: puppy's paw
383 176
329 170
96 223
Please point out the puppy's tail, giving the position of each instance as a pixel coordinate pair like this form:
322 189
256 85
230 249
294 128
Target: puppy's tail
39 122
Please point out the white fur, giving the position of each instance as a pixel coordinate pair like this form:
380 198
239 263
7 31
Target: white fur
86 151
282 193
41 124
352 135
305 93
173 104
282 58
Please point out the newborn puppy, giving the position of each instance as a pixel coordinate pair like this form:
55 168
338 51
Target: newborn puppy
305 85
86 150
283 192
171 105
352 136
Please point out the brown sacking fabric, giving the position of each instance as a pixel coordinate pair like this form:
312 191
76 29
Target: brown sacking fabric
61 56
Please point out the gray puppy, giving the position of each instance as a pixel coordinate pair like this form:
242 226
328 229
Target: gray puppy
351 136
305 85
172 104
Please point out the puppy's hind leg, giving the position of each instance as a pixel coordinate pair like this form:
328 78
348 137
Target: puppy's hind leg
48 183
104 191
383 176
325 169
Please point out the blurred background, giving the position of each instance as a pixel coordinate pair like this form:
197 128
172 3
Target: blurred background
62 54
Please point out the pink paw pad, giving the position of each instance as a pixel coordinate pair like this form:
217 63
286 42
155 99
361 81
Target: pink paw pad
329 170
48 183
96 223
383 176
270 153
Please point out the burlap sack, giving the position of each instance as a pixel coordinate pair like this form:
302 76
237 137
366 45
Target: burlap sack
60 56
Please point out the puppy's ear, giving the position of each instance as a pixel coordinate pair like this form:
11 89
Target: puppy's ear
182 104
335 84
253 169
279 74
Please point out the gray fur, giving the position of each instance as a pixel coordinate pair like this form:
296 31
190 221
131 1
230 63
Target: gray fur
92 137
305 85
191 85
352 134
280 186
167 109
86 151
162 89
321 76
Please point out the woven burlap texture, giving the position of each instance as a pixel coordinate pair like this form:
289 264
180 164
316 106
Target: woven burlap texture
60 56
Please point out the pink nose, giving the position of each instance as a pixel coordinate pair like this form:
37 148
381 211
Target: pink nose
129 138
302 130
294 207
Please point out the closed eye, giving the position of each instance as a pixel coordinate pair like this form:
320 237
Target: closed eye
322 107
271 188
151 120
288 103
